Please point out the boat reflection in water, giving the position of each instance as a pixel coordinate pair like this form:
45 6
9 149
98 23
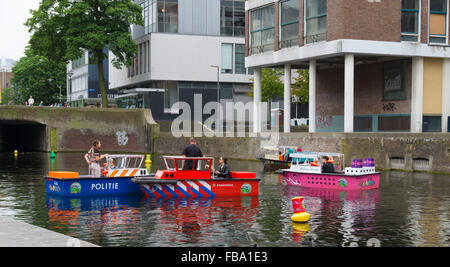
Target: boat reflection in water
162 221
351 211
93 218
196 221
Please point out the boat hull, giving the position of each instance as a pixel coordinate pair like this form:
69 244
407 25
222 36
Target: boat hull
271 165
332 181
88 186
202 188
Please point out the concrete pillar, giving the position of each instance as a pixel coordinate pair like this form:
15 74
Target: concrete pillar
445 94
257 100
349 83
287 98
312 96
417 95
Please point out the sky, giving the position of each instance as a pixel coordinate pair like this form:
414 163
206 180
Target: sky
14 34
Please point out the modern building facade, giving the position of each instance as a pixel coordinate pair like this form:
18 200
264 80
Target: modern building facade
83 88
375 65
185 48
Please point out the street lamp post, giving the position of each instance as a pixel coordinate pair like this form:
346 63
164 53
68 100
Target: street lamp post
70 74
218 91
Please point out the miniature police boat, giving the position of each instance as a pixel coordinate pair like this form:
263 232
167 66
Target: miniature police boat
194 177
306 171
115 180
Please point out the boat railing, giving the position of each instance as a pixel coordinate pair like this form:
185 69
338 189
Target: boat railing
177 163
124 165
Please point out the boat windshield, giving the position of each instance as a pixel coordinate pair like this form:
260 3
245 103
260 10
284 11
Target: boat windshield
125 161
304 159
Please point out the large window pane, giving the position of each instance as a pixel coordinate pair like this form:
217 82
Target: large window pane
409 22
289 11
262 29
316 22
438 5
170 94
232 17
315 7
289 23
226 17
239 18
410 4
227 58
239 59
168 16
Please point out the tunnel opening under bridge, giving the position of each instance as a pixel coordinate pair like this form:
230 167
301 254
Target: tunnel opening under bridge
24 136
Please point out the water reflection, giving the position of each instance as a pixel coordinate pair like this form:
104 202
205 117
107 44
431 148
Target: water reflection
409 209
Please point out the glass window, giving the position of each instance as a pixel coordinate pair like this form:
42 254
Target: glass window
315 20
432 124
394 80
168 16
170 94
289 23
226 17
227 58
150 11
226 91
438 21
79 62
262 30
232 17
239 59
410 20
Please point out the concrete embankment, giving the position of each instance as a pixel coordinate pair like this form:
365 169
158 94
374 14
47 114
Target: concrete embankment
19 234
73 129
404 151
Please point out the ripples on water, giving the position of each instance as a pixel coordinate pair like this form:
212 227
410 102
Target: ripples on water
409 209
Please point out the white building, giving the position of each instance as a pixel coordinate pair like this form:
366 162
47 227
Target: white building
180 49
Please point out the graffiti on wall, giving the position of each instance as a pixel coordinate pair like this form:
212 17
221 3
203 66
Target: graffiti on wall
324 118
389 107
122 138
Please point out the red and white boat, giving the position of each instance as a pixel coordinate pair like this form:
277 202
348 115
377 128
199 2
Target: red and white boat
198 181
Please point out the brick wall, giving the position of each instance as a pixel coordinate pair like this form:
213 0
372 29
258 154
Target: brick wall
368 91
364 20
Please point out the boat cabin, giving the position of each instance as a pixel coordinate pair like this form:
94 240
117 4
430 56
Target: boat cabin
311 162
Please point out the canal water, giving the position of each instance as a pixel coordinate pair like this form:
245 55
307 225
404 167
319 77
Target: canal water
409 209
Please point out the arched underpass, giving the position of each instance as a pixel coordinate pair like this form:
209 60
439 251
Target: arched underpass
24 136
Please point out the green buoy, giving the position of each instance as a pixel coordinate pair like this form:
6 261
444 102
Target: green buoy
52 155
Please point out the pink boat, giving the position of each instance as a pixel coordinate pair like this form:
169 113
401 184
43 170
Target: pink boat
306 171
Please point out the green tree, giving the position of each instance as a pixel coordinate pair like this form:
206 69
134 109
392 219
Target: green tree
10 96
38 76
300 89
271 84
62 29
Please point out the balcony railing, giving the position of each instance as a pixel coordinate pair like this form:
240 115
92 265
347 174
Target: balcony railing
315 38
288 43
